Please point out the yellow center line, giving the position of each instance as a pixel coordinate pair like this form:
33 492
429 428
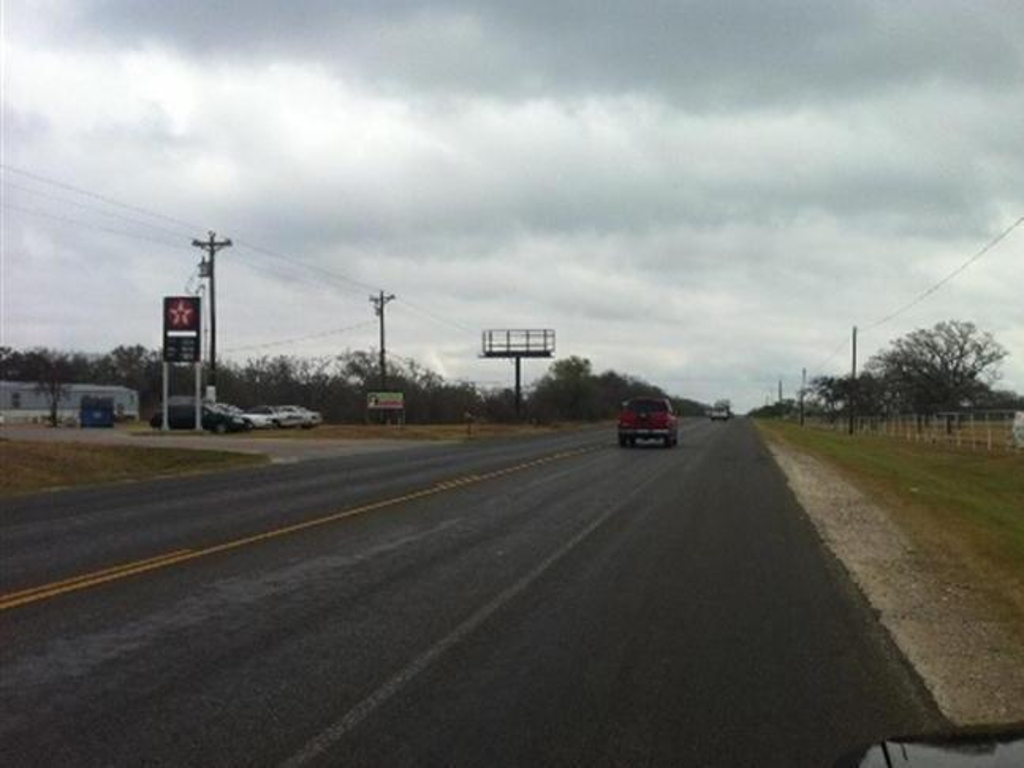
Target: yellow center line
114 573
91 575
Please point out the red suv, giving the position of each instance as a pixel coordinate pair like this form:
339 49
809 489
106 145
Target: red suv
647 418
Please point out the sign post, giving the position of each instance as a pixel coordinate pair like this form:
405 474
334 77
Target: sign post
198 370
182 344
164 426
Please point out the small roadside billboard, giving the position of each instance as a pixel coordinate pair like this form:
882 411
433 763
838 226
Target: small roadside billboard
385 401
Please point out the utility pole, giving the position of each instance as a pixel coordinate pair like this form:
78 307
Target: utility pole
803 390
780 391
379 302
853 381
207 270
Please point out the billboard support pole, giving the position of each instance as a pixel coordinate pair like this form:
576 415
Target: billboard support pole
164 426
515 344
519 386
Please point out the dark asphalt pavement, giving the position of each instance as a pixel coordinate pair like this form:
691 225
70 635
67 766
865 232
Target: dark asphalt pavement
601 607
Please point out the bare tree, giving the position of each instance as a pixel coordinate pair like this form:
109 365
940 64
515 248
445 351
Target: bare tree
951 365
52 372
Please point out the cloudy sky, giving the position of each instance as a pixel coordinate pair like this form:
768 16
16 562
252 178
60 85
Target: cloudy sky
707 194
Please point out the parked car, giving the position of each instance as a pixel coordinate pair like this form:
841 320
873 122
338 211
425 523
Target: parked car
216 417
261 417
307 418
287 416
648 418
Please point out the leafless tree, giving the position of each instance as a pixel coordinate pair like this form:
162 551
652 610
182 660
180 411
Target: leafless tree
951 365
52 372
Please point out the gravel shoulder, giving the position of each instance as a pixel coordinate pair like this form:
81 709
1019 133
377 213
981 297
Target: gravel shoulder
933 605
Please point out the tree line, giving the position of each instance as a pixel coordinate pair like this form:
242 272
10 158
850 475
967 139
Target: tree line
952 366
337 385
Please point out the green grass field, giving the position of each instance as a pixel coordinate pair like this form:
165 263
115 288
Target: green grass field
968 503
31 466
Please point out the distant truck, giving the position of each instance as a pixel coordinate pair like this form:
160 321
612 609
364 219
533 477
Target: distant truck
721 411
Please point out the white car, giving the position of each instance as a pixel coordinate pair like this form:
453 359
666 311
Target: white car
296 415
262 417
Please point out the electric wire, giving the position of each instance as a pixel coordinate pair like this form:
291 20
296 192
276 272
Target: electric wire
188 228
95 208
97 196
344 281
307 337
95 227
350 283
936 286
992 243
434 316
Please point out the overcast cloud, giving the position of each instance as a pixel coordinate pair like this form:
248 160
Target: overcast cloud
705 194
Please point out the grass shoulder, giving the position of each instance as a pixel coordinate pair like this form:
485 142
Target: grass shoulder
36 466
965 503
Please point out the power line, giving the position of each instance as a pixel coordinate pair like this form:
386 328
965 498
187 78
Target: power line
95 195
344 281
926 293
88 225
308 337
95 208
191 227
831 355
350 283
436 317
913 303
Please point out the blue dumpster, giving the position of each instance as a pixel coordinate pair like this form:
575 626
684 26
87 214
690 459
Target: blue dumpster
96 412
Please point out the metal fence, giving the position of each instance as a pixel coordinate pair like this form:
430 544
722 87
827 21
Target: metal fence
971 430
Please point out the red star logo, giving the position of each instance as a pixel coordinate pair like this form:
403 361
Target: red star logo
181 314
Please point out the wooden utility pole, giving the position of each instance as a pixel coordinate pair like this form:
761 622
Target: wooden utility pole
379 302
207 270
853 383
803 390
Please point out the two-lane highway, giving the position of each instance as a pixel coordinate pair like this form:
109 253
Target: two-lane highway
551 601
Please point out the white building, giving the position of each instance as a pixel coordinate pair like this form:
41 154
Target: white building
22 401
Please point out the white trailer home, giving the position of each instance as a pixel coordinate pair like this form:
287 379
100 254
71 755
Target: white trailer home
22 402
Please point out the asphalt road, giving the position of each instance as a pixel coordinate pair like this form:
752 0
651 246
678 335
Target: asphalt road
549 601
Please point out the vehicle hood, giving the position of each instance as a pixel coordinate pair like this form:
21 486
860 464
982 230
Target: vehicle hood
964 750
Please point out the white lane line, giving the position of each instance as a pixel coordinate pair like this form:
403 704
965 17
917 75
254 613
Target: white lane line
320 743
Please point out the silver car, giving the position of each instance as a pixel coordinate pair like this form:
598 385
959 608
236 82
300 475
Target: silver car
297 416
